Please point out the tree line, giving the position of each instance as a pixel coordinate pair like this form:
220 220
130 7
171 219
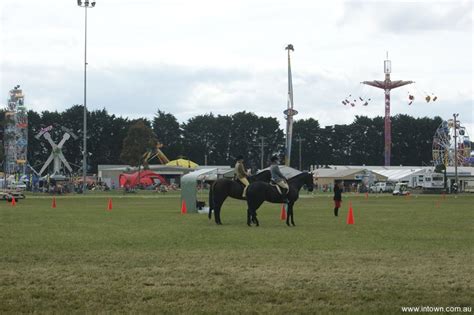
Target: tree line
218 139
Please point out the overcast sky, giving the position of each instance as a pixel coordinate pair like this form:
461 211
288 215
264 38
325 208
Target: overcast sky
195 57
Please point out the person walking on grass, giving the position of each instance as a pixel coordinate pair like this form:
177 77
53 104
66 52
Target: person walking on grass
337 197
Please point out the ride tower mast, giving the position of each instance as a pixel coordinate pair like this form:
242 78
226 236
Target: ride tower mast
289 112
387 85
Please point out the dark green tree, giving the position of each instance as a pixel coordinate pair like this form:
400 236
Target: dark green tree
140 138
168 132
245 138
368 141
200 133
37 152
273 138
311 149
412 139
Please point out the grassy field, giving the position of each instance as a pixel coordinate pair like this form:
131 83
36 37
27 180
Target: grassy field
144 256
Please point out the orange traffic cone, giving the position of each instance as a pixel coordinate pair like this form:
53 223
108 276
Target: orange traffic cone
350 215
109 205
283 212
13 202
183 207
53 205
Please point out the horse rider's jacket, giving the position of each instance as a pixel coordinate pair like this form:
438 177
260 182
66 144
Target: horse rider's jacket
241 175
278 178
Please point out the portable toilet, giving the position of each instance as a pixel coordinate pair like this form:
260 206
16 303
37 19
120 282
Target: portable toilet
189 184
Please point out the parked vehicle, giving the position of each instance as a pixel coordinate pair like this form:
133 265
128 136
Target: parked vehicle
381 187
401 189
9 195
16 185
428 181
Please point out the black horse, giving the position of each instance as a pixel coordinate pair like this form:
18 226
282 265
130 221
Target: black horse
258 192
224 187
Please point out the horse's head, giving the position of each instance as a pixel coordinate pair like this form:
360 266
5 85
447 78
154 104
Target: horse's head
309 182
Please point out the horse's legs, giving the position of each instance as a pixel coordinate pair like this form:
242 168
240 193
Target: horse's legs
289 216
288 213
292 215
217 215
249 217
257 205
217 211
254 218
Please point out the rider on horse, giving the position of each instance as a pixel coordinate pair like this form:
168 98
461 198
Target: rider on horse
241 174
277 177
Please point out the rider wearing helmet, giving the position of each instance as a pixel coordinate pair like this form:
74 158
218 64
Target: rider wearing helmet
277 177
241 174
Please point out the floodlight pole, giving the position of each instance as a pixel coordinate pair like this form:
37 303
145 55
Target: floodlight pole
86 4
387 85
456 151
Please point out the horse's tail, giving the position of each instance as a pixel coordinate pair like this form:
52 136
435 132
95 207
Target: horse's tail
211 200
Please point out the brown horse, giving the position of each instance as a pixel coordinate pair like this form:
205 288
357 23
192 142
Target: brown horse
223 188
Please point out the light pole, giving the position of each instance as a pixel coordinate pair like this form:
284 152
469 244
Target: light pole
299 139
456 152
86 4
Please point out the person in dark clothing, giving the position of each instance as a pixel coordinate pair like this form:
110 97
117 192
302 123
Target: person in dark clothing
337 197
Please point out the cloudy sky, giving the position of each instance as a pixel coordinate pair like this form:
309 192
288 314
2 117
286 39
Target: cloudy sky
196 57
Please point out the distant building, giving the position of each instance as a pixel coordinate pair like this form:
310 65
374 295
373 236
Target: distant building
395 174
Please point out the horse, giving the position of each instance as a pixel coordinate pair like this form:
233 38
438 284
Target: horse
224 187
258 192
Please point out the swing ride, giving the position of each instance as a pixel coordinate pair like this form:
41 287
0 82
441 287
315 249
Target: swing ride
387 85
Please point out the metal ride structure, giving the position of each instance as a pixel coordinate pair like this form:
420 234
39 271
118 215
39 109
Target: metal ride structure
290 111
387 85
451 144
155 153
56 156
16 133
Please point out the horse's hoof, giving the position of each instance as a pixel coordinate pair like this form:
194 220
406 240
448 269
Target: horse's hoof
293 224
287 223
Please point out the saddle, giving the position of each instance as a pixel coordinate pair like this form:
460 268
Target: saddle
278 188
238 182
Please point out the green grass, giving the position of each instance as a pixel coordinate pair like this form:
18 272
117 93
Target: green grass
144 256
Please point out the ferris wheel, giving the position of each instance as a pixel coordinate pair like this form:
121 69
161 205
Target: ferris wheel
443 144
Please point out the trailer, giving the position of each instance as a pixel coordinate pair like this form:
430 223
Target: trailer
468 186
433 182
